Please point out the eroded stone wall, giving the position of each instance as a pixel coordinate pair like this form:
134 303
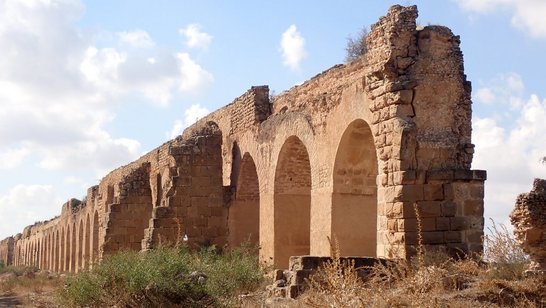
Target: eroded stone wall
6 250
345 155
529 221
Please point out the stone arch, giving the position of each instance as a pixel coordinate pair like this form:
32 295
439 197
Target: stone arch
37 253
244 211
79 257
354 196
17 260
158 189
292 202
50 250
56 244
95 238
87 242
235 164
32 253
42 253
73 244
66 256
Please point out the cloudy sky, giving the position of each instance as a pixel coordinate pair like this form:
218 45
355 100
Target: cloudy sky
87 86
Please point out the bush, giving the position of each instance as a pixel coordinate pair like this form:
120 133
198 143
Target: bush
356 46
166 277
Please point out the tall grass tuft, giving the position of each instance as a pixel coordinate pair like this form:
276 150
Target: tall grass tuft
434 279
506 257
336 284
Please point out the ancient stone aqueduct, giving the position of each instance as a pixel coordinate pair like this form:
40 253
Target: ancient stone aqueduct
347 154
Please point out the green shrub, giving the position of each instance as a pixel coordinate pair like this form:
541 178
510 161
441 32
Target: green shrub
166 277
18 270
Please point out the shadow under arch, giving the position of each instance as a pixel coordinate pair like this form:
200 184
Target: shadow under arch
354 196
244 211
292 202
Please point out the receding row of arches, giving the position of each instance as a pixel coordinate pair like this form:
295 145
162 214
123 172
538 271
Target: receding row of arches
353 212
68 248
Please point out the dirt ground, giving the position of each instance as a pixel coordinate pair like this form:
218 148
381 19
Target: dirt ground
28 291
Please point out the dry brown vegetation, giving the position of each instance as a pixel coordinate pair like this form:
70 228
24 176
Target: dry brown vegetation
28 287
433 279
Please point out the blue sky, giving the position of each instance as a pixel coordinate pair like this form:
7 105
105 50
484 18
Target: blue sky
87 86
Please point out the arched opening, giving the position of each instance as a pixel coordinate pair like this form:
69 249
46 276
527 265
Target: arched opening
62 251
79 263
34 259
67 248
235 165
50 248
87 244
73 247
354 197
95 238
56 244
159 190
18 259
292 202
41 253
244 212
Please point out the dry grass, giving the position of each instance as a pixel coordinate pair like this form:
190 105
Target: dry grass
337 284
433 279
28 287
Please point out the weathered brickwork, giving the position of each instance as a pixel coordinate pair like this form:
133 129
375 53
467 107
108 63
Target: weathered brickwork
529 221
346 154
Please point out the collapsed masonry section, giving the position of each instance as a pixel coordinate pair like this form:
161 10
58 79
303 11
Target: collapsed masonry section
529 221
193 210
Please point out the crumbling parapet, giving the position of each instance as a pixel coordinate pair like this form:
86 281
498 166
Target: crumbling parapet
529 221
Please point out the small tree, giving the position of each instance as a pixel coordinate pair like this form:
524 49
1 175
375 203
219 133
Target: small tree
356 46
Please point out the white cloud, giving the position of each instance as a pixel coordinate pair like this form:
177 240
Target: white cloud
23 205
11 158
100 67
504 89
59 90
527 15
137 38
292 48
485 95
192 76
195 38
192 114
510 153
